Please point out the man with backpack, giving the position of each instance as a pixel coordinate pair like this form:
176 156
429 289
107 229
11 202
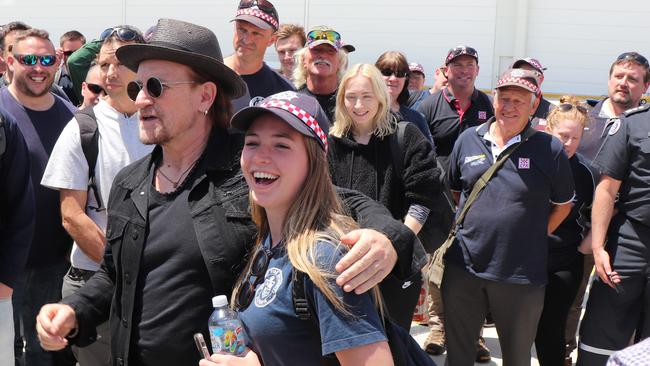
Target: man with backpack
91 150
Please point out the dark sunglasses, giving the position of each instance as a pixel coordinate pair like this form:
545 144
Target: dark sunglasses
398 74
123 34
253 278
31 60
154 87
565 107
263 5
94 88
634 56
68 53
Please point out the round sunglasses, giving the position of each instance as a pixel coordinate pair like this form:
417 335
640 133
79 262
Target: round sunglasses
154 87
123 34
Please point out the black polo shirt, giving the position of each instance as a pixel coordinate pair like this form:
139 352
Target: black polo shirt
447 120
596 131
625 156
504 235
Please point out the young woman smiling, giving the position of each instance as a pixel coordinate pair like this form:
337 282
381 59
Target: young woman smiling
300 221
360 158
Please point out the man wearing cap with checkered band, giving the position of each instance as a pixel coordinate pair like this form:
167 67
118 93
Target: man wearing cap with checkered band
544 106
498 262
620 216
192 179
459 105
320 66
256 22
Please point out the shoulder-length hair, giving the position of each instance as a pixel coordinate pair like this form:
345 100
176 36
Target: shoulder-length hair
384 121
396 61
300 71
315 215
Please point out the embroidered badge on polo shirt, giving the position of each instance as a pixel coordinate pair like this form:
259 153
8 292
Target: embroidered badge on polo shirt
474 160
524 163
482 115
615 127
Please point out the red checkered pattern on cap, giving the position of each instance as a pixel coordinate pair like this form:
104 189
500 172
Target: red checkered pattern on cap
304 116
260 14
517 80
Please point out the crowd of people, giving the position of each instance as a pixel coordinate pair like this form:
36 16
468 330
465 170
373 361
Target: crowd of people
141 174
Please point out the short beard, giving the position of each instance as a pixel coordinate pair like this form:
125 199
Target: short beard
21 85
624 102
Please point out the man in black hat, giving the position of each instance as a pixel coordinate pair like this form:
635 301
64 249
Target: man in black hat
157 277
256 22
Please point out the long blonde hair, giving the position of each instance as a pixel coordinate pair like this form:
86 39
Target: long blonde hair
316 214
385 122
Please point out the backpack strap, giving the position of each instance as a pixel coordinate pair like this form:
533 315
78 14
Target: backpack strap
396 141
303 311
90 146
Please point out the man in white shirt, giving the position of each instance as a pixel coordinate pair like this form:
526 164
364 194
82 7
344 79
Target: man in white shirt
67 171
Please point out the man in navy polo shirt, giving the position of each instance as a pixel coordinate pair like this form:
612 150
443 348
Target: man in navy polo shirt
620 216
498 262
459 105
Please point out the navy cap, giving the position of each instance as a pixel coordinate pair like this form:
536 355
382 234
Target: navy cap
300 111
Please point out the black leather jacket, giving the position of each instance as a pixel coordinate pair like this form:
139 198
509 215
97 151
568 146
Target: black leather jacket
218 201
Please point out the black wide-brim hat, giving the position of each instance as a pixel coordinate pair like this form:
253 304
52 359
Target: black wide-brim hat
188 44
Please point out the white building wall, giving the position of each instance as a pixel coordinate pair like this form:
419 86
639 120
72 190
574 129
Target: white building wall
577 40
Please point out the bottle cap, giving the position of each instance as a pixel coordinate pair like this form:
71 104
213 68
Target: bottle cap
219 301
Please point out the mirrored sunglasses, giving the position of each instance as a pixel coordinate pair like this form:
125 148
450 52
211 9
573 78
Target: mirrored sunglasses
317 35
123 34
32 60
154 87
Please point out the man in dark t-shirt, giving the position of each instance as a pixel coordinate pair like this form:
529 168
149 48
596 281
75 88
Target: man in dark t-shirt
459 105
40 116
255 27
544 106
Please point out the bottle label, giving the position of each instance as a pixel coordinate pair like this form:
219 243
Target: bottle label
227 339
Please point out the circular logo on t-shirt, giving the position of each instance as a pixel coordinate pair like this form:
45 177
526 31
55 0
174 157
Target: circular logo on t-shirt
265 293
255 101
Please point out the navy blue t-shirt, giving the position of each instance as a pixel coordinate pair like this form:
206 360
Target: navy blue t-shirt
504 234
279 338
265 82
41 129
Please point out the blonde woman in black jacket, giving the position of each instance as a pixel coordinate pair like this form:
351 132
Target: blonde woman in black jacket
360 158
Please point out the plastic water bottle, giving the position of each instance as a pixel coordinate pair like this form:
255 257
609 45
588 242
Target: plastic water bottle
225 329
